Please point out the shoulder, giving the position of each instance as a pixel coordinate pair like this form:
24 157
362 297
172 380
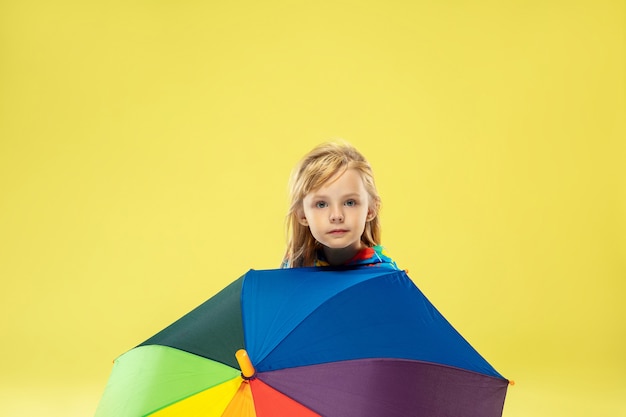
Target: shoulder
384 257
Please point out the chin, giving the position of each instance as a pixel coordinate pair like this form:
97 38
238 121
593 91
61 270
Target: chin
338 247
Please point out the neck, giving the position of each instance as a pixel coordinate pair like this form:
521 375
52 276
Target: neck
338 257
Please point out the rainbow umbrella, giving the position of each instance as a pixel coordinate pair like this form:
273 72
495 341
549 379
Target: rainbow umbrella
361 342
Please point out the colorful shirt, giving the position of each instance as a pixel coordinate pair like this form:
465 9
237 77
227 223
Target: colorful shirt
373 256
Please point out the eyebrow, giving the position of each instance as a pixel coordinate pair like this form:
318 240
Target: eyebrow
324 196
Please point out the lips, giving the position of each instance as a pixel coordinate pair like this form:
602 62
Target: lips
337 231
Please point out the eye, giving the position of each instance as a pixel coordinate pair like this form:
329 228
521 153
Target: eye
350 203
321 204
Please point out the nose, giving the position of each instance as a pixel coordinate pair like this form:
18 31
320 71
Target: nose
336 216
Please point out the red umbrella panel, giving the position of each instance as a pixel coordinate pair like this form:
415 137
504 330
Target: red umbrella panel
359 342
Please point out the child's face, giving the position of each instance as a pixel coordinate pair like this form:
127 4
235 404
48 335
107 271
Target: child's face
337 212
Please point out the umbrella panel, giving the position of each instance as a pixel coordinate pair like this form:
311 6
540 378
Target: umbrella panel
209 403
390 388
148 378
213 330
361 313
271 403
237 398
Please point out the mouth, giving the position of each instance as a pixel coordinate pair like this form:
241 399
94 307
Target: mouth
337 231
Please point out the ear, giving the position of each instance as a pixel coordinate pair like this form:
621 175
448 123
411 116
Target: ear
371 214
302 218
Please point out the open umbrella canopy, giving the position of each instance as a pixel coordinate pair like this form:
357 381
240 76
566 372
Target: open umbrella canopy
361 342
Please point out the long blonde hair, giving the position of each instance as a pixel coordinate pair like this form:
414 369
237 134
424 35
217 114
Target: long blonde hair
312 172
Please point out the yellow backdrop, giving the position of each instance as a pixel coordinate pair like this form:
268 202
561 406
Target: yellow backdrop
145 148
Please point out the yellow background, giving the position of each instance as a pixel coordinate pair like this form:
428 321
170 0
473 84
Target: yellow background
145 148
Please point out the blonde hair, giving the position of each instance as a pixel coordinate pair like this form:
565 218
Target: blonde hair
312 172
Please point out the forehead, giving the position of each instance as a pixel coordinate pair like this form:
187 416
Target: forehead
348 181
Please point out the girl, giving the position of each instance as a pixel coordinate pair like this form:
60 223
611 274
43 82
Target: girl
333 217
